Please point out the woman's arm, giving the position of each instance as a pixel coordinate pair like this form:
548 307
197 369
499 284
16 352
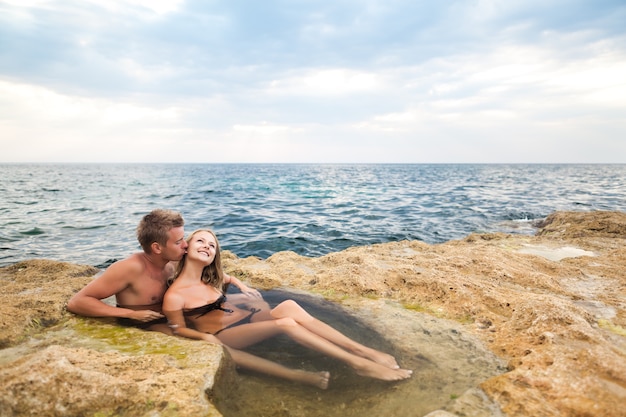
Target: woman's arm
173 310
250 292
176 321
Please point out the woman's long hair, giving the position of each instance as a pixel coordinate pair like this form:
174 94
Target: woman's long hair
211 274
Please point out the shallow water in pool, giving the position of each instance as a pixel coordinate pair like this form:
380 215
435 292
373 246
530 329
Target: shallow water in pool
445 361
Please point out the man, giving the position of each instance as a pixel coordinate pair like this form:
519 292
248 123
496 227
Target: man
139 281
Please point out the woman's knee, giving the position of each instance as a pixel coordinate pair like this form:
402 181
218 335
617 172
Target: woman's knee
286 308
290 308
290 305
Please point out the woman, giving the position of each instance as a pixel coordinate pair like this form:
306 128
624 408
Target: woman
196 295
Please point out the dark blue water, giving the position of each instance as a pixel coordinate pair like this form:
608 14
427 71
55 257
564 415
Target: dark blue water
87 213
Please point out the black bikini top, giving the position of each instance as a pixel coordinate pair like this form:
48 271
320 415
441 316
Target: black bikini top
207 308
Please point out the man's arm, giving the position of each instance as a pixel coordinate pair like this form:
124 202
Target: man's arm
117 277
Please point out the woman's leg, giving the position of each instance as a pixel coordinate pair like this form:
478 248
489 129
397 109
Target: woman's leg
239 337
292 309
257 364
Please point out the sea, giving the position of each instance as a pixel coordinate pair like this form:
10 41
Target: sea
87 213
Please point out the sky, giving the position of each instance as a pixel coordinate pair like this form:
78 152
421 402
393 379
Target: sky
327 81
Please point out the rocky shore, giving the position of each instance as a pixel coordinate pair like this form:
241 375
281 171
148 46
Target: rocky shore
542 318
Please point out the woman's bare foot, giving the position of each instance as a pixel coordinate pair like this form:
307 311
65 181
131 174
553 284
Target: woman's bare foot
317 379
381 358
375 370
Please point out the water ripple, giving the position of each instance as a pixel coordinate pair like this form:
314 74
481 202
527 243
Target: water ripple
87 213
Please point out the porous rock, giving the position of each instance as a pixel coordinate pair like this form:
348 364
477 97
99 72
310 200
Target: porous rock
559 325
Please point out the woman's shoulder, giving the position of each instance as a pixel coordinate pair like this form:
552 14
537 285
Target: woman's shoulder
175 290
184 290
173 299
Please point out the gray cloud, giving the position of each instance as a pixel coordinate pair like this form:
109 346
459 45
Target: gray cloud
465 73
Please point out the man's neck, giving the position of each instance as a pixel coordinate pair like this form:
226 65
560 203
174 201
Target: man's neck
155 261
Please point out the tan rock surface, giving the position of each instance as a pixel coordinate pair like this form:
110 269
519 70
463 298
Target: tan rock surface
552 306
61 365
34 294
69 381
559 324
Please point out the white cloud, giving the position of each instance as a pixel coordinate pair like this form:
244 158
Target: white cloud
159 7
327 82
50 107
264 129
206 81
139 72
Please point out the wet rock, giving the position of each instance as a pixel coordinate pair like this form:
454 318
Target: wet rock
557 324
64 381
567 224
34 295
73 371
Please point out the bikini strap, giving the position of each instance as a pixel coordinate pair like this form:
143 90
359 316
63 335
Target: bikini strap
207 308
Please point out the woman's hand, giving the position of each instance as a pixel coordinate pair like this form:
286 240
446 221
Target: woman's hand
251 292
245 290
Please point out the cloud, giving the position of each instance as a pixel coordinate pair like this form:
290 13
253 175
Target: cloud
392 81
326 82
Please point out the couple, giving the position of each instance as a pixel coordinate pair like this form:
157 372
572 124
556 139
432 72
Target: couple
195 296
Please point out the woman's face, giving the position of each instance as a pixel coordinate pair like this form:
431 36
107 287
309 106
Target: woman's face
202 247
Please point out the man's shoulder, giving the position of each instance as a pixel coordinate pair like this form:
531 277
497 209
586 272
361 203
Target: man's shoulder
133 260
133 265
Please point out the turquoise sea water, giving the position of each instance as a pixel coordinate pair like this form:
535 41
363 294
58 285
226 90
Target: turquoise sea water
87 213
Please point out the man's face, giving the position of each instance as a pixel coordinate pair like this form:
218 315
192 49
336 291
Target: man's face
176 244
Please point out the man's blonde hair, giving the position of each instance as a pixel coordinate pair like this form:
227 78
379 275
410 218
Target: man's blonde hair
155 226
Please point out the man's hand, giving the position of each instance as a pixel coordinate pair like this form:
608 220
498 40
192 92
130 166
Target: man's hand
145 315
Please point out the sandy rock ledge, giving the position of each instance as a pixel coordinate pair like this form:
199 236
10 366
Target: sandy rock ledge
551 307
56 364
